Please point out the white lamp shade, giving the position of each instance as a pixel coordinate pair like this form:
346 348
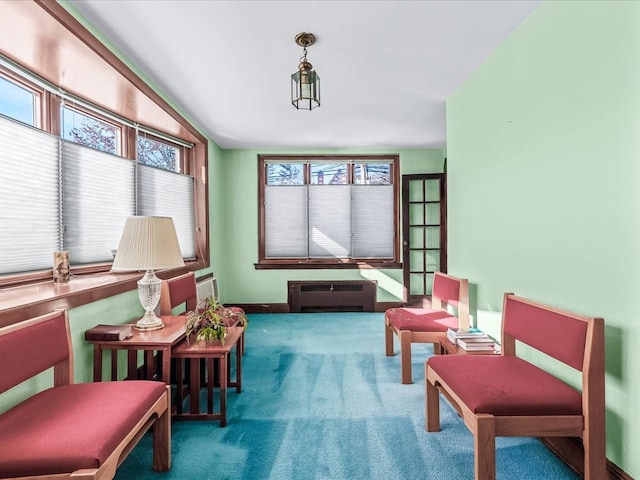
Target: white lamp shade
148 243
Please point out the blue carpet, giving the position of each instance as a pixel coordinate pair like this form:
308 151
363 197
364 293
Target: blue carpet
321 400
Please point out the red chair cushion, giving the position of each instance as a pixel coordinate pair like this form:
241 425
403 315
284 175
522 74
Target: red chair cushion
421 320
505 385
71 427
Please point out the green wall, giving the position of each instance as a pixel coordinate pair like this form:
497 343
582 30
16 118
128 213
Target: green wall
242 283
543 152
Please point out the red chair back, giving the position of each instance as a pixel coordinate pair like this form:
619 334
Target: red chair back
25 352
179 290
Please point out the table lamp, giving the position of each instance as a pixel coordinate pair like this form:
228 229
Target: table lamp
148 243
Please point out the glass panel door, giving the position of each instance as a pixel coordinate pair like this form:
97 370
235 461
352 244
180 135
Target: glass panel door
424 234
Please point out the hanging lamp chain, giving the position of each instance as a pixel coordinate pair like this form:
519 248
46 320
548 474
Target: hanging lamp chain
304 64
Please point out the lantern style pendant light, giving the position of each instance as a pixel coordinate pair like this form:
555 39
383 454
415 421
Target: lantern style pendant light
305 83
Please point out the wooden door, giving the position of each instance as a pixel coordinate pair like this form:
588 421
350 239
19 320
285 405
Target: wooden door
424 234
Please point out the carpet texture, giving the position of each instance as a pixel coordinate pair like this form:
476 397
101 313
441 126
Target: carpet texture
321 400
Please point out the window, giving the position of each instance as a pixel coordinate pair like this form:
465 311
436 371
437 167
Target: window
323 210
156 153
81 185
19 102
89 130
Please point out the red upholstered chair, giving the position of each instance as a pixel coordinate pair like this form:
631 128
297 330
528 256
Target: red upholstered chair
69 430
420 325
506 396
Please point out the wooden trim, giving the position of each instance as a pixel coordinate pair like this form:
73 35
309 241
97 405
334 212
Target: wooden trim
262 180
444 266
28 301
380 307
321 264
571 452
262 307
58 12
406 251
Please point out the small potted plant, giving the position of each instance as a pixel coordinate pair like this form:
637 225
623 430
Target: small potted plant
210 320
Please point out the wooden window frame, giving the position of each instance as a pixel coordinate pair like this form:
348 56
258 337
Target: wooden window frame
121 142
39 93
324 263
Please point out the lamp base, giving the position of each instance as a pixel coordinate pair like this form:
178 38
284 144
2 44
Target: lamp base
149 294
148 323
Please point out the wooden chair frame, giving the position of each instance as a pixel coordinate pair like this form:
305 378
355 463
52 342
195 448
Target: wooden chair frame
438 303
589 426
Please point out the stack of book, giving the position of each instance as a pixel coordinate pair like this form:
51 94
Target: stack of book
471 339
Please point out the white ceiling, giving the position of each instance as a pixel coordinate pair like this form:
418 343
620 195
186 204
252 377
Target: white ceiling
386 67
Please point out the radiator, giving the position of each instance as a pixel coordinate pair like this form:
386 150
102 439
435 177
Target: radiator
207 287
332 296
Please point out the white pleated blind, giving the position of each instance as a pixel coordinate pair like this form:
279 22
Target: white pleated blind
169 194
60 195
286 230
29 231
329 221
99 194
372 221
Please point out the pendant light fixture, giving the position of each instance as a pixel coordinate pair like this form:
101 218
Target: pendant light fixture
305 83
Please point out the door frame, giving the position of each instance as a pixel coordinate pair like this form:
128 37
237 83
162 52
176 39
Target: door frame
406 251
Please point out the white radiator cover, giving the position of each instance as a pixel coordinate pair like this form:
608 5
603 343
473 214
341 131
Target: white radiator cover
207 287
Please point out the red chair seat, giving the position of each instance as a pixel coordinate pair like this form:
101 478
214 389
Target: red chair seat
421 320
505 385
71 427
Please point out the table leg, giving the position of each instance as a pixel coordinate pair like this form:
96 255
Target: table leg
114 365
238 368
223 389
149 370
166 366
210 382
132 364
97 363
179 385
194 385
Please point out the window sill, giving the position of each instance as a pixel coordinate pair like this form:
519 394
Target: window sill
22 302
315 265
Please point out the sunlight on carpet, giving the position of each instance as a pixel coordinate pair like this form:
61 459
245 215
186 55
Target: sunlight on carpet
321 400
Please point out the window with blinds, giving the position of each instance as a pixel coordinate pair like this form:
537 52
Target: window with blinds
319 209
61 195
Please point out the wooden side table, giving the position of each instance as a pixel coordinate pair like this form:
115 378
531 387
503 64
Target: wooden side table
210 351
160 341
